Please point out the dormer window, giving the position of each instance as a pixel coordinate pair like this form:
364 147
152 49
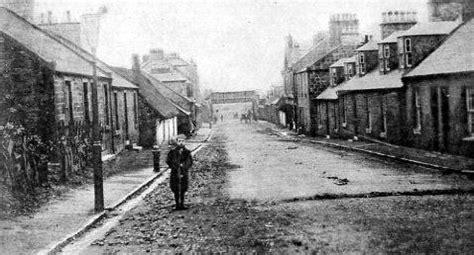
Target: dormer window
361 63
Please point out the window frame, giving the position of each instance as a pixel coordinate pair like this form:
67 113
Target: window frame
386 51
362 68
344 112
470 110
408 48
368 116
417 111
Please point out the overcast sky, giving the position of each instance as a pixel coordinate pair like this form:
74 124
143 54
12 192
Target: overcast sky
236 44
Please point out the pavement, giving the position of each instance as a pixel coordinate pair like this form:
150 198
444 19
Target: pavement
430 159
69 215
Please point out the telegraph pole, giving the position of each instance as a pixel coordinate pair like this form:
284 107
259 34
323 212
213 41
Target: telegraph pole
96 142
91 23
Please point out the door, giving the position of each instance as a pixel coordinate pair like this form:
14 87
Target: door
440 116
125 107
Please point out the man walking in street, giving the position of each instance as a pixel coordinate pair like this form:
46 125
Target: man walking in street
180 161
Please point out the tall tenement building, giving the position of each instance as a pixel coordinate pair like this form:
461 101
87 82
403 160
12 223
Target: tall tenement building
344 28
393 21
24 8
450 10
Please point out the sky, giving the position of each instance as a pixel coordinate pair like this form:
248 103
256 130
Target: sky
237 45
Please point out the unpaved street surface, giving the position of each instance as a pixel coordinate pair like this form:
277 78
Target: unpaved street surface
243 180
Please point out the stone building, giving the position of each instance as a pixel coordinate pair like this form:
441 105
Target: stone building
172 70
309 75
440 96
157 115
119 100
46 90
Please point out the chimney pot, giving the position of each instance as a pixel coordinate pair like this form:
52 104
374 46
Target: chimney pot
68 16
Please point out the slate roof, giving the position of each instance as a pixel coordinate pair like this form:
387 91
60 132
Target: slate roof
431 28
148 91
44 45
350 59
169 77
392 38
373 81
118 81
329 93
318 52
339 63
455 55
369 46
173 96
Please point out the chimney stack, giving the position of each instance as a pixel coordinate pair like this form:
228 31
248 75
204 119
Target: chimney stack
135 67
157 54
42 18
50 17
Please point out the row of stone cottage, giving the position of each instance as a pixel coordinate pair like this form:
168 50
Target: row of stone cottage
46 88
415 87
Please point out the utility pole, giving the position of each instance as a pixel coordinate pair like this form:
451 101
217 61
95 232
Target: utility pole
91 23
96 143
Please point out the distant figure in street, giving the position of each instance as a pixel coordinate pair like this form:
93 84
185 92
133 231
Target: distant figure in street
242 118
180 161
222 118
249 116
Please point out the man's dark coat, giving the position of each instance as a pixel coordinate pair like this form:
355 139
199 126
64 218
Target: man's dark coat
180 161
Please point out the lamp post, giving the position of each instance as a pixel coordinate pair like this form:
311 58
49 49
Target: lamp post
91 24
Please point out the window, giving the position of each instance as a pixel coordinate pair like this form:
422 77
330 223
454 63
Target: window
344 112
408 59
408 53
417 111
383 116
408 45
350 70
70 101
368 117
135 108
386 51
106 105
117 123
361 64
470 110
334 76
85 101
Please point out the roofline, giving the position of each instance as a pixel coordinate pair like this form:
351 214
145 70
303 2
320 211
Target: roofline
304 69
346 91
50 36
149 76
435 75
50 64
310 50
90 54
